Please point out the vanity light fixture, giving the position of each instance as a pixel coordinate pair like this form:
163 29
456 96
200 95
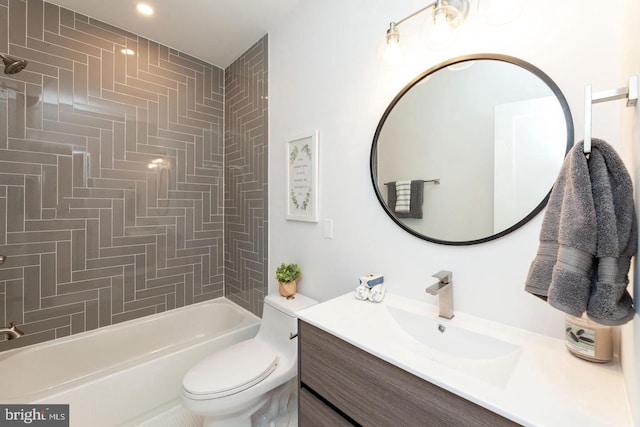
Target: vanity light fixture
446 16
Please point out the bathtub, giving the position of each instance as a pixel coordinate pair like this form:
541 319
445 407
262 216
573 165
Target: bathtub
122 374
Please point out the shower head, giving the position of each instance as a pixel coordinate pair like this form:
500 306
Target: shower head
13 65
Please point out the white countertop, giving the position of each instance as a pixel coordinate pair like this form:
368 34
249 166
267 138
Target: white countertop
542 385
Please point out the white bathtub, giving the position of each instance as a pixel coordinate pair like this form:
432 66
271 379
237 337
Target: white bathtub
124 373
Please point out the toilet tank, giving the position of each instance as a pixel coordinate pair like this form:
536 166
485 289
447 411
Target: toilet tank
280 321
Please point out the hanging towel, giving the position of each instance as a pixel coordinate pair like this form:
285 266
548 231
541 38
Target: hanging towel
587 239
403 196
415 204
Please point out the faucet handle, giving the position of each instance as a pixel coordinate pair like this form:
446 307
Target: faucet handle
444 276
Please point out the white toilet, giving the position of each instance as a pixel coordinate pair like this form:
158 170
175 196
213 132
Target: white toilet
249 383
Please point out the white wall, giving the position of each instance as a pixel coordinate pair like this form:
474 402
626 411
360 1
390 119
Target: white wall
327 73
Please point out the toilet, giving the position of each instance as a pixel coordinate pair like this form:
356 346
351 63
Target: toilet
250 383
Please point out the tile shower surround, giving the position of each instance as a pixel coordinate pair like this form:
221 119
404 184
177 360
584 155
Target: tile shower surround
112 169
246 163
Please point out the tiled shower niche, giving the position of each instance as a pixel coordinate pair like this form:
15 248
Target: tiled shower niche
111 175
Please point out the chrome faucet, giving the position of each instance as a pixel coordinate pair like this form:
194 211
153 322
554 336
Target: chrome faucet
444 289
12 331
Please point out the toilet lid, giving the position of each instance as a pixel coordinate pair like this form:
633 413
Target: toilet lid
231 370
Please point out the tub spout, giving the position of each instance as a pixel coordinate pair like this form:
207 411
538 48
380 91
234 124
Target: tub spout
11 331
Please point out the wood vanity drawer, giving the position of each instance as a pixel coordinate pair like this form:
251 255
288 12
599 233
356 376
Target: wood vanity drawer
315 413
374 392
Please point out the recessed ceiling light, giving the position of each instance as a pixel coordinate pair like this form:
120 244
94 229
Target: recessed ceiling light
127 51
144 9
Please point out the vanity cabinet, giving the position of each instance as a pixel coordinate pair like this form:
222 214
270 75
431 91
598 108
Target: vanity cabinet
341 384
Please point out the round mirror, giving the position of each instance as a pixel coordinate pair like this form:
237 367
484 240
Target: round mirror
469 150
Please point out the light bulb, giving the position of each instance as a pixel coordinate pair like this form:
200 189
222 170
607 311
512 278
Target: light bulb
393 52
441 32
144 9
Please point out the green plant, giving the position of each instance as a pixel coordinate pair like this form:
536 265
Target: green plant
288 272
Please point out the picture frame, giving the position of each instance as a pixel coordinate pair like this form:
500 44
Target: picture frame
302 178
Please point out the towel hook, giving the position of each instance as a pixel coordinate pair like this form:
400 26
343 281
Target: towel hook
630 93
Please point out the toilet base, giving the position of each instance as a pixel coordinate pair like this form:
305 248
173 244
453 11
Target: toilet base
275 413
269 411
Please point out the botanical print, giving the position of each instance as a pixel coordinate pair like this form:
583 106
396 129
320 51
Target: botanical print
300 167
302 178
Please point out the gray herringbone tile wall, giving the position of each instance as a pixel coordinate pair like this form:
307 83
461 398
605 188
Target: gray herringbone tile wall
245 192
111 177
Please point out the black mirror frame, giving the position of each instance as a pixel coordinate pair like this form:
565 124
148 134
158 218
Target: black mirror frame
529 67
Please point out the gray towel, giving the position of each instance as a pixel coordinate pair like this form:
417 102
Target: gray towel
417 197
587 239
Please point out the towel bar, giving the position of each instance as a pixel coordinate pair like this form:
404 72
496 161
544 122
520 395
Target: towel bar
630 93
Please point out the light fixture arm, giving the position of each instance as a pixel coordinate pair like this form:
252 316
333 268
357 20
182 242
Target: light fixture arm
396 23
454 11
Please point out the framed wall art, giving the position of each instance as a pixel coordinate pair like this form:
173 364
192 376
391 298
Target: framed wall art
302 178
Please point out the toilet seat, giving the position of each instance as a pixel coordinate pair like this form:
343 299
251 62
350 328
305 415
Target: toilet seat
230 370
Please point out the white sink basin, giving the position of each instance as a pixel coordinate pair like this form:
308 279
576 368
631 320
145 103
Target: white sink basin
451 344
445 337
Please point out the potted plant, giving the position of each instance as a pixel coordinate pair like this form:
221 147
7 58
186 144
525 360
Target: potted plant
287 274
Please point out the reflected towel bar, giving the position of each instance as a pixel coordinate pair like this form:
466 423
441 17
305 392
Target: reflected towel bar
435 181
630 93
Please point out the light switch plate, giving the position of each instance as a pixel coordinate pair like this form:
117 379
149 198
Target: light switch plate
328 229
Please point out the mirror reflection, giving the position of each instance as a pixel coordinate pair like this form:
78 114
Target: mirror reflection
475 145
